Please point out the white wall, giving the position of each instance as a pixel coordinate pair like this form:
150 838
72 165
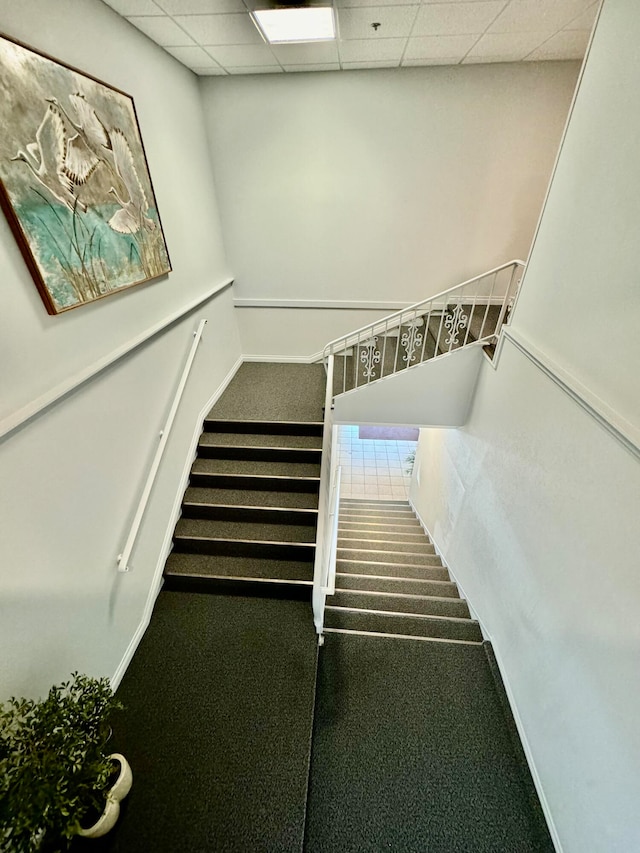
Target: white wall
535 503
71 477
380 185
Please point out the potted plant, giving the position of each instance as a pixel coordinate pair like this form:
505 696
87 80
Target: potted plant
55 772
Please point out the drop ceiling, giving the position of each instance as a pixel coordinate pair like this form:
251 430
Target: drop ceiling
218 37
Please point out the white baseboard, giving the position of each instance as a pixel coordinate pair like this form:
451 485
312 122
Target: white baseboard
510 696
156 583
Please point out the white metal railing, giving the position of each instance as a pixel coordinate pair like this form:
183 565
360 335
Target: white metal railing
471 312
123 558
329 499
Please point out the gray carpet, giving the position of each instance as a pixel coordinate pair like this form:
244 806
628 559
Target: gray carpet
412 754
274 392
217 728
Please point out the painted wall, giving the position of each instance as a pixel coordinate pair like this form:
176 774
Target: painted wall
379 185
71 477
535 503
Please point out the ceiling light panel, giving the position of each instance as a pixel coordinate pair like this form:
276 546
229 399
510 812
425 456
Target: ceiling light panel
282 26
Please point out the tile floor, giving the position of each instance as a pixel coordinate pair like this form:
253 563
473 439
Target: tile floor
373 469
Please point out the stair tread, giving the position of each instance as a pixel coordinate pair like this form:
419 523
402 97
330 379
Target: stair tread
285 427
404 624
387 583
435 606
226 439
252 497
398 570
245 531
206 565
382 546
269 468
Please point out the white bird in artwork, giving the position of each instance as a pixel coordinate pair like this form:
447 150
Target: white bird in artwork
131 217
46 158
91 144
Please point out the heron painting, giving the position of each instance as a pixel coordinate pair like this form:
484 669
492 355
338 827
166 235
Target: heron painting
74 181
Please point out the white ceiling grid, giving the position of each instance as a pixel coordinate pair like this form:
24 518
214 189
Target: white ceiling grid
218 37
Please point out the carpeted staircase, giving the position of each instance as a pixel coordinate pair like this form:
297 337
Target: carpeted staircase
390 581
414 342
249 514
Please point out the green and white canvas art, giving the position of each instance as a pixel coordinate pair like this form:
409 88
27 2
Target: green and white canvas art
74 181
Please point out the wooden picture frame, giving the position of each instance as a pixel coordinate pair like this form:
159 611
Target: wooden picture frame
74 181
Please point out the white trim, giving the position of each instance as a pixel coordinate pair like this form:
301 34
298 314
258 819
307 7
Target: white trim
616 425
511 699
156 583
321 304
45 401
401 636
286 359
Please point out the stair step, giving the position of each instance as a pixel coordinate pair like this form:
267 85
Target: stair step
252 568
253 467
408 586
264 427
259 454
256 482
414 547
413 625
238 576
245 530
348 522
392 537
373 504
427 605
435 572
249 514
369 555
252 497
260 439
271 549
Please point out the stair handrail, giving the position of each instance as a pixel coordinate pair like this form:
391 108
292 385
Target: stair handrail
328 498
394 320
123 557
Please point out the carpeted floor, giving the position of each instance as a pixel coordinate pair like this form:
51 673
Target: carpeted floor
217 728
412 754
273 392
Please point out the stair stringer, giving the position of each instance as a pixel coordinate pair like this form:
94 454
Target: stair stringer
437 393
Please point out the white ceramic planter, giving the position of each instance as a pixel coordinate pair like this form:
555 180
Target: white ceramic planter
117 792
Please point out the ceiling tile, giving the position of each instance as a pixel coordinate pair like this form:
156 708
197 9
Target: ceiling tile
221 29
135 7
440 47
192 57
201 7
394 21
256 69
241 55
506 47
162 30
377 50
354 66
586 20
456 18
326 66
350 4
536 15
303 54
569 44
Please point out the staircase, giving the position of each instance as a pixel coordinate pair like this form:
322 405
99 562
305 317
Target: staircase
390 581
249 515
469 313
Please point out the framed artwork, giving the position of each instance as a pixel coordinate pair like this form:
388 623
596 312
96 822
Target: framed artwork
74 181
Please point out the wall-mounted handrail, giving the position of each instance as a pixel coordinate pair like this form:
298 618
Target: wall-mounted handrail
395 320
471 313
123 558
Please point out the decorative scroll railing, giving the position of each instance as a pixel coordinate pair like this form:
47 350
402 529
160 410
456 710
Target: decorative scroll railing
329 499
469 313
